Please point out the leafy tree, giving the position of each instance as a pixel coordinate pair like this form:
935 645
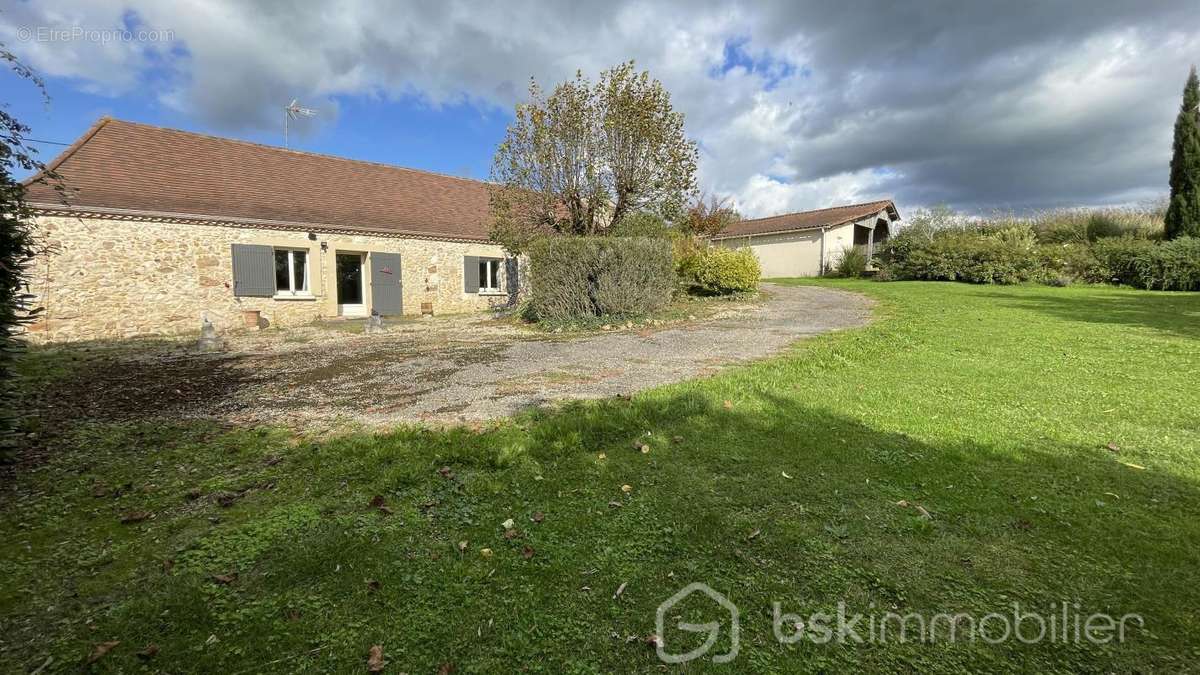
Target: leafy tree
16 246
1183 212
587 155
708 216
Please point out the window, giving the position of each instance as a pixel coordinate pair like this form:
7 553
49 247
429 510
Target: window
291 272
489 275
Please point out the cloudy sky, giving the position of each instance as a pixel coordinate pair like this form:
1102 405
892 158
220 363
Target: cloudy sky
980 105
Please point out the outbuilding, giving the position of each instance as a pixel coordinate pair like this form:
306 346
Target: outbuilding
808 243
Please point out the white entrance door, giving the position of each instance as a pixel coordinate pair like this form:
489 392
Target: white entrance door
351 289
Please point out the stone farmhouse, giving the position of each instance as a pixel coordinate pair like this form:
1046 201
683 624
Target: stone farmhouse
156 229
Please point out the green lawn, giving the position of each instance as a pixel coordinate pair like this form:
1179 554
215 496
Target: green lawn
991 408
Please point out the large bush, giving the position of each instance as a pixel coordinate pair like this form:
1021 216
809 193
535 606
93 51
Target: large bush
1006 256
719 271
1171 266
576 278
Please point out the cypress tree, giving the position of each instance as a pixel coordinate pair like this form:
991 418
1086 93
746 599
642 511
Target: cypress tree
1183 213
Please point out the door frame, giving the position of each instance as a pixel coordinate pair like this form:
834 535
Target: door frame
353 309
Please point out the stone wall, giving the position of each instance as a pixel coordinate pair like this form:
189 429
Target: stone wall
106 278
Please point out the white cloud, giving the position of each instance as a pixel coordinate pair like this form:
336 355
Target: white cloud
983 106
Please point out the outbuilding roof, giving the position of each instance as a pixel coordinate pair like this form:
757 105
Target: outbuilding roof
809 220
132 169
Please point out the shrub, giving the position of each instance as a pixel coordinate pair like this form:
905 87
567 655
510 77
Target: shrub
584 277
1169 266
852 263
640 224
1003 256
1116 260
720 271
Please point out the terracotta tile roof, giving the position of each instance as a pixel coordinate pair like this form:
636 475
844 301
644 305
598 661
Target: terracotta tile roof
809 220
135 169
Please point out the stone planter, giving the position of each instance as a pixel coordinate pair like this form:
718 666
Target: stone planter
252 317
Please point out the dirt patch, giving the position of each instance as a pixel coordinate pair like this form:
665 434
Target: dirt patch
445 370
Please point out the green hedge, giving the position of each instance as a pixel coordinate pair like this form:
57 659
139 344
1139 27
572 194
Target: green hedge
574 278
1001 257
719 271
1013 255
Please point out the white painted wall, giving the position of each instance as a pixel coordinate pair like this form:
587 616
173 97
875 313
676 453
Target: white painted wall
837 240
790 254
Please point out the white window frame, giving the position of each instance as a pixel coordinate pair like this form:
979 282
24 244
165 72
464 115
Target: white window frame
307 287
492 264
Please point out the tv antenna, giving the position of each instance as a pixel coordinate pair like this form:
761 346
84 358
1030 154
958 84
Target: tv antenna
294 111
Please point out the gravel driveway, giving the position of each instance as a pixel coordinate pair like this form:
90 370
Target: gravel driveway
442 370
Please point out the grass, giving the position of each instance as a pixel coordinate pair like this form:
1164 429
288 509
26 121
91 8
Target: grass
990 407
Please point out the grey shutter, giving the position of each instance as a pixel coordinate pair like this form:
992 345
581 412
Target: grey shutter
253 271
471 274
510 277
387 296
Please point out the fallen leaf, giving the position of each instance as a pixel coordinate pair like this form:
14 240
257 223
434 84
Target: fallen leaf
527 552
149 652
614 505
167 564
652 641
627 488
375 662
903 503
225 578
785 475
135 517
99 490
446 472
538 516
728 405
508 524
462 545
101 649
446 669
373 585
602 456
620 590
754 535
376 501
923 512
194 494
386 510
1113 447
677 439
485 552
511 534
